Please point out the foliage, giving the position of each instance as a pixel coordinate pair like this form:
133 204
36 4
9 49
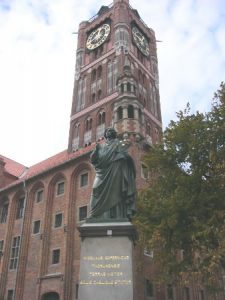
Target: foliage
182 209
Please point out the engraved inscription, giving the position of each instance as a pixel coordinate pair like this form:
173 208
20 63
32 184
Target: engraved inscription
106 270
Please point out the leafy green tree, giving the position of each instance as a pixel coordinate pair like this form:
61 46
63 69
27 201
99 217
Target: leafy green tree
181 212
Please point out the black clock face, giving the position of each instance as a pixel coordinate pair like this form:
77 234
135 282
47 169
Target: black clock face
98 36
140 40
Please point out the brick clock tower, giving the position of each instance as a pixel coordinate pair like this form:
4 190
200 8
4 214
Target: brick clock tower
116 79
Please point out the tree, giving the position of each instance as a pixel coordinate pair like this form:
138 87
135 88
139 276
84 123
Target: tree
181 212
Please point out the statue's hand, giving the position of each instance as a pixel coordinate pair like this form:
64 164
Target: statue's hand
94 154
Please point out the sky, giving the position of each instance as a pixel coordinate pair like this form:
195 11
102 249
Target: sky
37 65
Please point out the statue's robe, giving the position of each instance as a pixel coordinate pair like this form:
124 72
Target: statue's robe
114 183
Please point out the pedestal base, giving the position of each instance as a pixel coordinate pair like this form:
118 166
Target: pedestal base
106 271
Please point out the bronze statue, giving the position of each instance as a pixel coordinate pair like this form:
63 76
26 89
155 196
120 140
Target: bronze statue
114 189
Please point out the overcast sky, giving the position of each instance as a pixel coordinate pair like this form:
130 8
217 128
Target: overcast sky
37 62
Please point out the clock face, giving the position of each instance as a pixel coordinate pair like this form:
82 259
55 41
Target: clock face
140 40
98 36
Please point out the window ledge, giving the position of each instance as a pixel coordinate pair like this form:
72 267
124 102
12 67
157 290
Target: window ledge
53 275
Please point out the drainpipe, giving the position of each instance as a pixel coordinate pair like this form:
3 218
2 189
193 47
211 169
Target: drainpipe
21 234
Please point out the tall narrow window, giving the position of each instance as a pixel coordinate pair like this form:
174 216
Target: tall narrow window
76 130
140 115
1 248
36 226
14 253
99 72
81 94
93 75
93 98
148 129
10 294
20 208
60 188
121 39
169 292
149 291
120 113
112 76
39 195
99 94
155 105
101 118
55 256
130 111
84 179
76 136
58 220
82 213
4 212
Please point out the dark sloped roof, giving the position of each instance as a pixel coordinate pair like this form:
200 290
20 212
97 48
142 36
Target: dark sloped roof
12 167
24 173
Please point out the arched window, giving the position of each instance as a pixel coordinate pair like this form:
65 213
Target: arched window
93 75
148 129
4 211
140 76
93 98
20 207
50 296
143 79
120 113
101 125
128 87
76 130
99 72
99 94
88 124
88 132
130 111
112 76
76 136
81 94
101 118
121 38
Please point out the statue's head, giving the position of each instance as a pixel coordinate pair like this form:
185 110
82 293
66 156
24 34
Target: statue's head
110 133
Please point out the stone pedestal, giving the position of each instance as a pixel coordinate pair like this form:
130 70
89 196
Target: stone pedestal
106 270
